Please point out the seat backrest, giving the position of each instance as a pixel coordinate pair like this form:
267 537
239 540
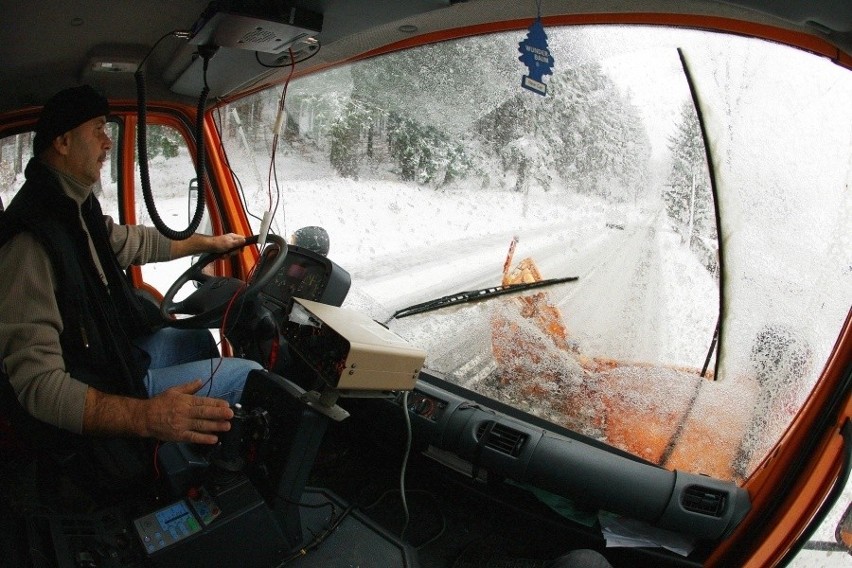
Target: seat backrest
27 428
104 467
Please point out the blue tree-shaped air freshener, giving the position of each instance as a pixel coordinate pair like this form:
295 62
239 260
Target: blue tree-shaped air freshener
536 56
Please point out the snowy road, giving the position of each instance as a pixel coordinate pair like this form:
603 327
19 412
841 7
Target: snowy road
613 310
416 276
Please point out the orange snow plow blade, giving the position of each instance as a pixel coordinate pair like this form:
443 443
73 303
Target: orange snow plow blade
611 400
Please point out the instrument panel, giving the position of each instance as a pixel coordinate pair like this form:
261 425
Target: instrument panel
305 275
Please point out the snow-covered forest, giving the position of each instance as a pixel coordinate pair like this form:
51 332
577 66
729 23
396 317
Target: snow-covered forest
379 120
585 137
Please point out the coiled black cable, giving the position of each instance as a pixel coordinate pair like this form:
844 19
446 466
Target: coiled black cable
201 164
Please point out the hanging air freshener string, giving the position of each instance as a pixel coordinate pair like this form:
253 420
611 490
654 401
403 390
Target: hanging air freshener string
536 56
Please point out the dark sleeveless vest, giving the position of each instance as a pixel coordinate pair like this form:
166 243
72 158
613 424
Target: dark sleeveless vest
99 321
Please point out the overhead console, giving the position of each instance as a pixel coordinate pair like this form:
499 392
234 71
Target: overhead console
480 439
270 27
243 30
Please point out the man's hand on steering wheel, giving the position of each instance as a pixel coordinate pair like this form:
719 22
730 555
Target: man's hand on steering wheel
207 244
226 243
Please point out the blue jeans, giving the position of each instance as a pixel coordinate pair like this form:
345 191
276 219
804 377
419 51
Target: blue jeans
179 356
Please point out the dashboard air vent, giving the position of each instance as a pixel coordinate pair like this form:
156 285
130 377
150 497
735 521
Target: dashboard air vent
703 500
502 439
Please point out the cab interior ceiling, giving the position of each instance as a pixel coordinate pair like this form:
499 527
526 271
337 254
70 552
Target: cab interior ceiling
74 33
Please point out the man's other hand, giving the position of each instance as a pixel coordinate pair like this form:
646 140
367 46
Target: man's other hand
178 415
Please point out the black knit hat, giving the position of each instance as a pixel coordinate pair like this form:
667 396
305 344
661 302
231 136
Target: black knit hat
66 110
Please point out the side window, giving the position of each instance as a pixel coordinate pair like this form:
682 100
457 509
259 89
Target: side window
171 170
16 151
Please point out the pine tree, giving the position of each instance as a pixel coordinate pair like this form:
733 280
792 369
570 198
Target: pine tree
689 198
345 136
584 132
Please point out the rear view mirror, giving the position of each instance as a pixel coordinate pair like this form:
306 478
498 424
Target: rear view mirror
191 197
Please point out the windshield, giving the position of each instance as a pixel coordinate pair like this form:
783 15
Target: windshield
434 172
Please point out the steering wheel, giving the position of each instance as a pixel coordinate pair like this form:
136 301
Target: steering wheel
206 306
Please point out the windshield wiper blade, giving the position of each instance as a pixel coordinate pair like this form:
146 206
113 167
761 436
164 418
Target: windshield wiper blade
474 295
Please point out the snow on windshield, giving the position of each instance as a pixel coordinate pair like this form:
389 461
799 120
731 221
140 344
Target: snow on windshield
423 175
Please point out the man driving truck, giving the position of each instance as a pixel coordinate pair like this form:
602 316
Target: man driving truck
75 344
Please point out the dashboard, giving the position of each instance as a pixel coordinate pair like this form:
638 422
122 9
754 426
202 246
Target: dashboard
469 435
254 333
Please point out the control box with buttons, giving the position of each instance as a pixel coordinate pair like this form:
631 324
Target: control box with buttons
202 503
426 406
166 526
199 530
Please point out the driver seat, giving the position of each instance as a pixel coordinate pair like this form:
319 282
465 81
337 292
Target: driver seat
103 469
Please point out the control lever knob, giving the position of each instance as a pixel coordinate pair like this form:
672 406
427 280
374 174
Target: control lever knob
228 454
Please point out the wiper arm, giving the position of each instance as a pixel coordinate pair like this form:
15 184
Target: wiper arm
474 295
